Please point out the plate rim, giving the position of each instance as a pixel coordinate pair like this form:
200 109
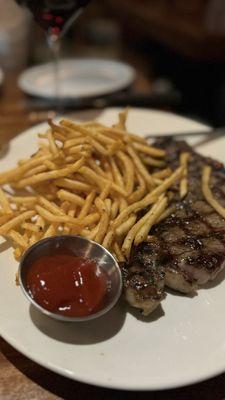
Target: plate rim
114 386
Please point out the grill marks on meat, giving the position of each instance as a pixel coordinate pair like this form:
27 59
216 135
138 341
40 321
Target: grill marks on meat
194 235
195 248
188 247
144 277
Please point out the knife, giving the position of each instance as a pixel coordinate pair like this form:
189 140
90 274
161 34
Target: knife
209 132
206 136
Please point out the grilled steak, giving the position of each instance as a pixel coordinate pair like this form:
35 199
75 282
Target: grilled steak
188 247
144 277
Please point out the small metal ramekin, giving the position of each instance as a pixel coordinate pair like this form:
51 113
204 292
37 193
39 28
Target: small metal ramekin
81 247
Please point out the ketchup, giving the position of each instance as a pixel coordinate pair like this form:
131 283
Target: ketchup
67 285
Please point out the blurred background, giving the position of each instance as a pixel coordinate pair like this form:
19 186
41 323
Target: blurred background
176 47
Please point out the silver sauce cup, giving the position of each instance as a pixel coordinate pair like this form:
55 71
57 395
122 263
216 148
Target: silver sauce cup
80 247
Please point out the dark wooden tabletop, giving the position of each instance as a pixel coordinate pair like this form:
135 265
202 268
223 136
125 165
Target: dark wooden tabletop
23 379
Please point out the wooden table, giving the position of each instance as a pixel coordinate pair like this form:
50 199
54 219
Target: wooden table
23 379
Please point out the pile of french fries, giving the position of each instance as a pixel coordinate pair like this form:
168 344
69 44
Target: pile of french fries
90 180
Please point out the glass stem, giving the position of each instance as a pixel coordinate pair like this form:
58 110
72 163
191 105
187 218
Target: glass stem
54 44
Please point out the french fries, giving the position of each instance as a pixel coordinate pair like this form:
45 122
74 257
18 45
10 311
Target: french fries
206 174
128 169
126 226
184 157
46 176
15 221
4 201
90 180
140 167
154 214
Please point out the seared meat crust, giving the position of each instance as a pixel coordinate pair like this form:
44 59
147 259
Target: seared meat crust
188 248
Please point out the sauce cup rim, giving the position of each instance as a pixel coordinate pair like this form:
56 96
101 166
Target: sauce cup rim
60 317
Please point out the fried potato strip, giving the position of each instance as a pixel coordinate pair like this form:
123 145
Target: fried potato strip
100 182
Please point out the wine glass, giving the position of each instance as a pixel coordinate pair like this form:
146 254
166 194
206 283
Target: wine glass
55 17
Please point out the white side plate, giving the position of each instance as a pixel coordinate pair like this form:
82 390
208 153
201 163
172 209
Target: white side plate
78 78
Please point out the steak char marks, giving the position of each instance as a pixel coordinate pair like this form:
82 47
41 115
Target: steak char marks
144 277
187 249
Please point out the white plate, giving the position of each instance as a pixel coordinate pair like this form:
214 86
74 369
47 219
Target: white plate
79 78
183 344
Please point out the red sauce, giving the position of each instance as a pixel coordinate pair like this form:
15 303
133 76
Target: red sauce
68 285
